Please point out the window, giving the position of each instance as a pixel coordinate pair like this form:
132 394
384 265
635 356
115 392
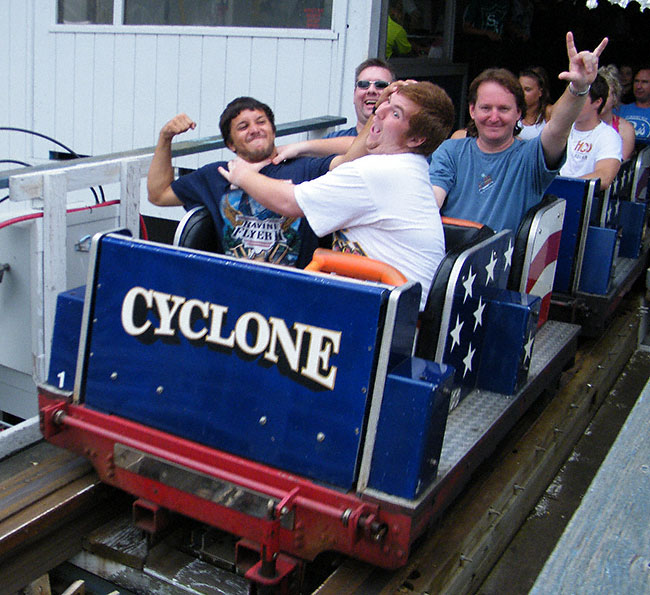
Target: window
291 14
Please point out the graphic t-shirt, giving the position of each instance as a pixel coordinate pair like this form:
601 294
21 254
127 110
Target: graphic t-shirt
246 228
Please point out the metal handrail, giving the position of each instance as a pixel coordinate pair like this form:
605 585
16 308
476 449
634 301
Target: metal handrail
179 149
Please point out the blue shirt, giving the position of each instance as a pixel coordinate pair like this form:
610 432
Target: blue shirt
639 117
246 228
495 189
347 132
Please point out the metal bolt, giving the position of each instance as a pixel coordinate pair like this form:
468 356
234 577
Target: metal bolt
517 488
320 436
160 390
114 376
464 558
263 420
345 517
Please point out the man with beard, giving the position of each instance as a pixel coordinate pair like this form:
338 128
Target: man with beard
245 227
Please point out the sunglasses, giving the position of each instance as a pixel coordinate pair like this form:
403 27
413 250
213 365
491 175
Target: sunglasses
366 84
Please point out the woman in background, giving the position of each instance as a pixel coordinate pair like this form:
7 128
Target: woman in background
538 108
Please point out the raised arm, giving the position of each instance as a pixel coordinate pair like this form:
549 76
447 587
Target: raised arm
161 172
583 68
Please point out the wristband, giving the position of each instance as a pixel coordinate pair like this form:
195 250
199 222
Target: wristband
575 93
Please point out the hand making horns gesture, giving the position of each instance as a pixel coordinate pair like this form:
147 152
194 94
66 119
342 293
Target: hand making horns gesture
583 66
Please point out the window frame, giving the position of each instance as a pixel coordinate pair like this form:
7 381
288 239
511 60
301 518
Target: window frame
203 30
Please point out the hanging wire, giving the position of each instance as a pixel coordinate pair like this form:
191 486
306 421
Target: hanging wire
56 142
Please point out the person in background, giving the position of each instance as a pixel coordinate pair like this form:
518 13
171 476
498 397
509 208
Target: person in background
626 76
534 82
371 77
397 43
607 115
638 113
594 149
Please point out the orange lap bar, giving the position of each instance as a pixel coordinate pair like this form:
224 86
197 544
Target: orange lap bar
461 222
355 266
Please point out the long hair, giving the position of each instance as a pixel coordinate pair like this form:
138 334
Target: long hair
539 75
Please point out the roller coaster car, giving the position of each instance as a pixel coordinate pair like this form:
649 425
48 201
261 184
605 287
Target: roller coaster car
285 406
604 246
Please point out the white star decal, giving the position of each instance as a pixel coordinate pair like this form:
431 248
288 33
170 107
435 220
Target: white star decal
467 360
508 255
478 313
455 334
528 348
468 283
489 267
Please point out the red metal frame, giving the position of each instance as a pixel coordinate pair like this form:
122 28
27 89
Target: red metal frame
323 518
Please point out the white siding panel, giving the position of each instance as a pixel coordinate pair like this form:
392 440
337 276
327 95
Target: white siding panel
144 91
5 89
213 93
124 68
84 77
288 90
263 70
315 79
238 59
17 81
190 58
103 90
64 114
44 90
165 99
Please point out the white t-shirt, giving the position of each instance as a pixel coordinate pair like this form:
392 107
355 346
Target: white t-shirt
381 206
585 148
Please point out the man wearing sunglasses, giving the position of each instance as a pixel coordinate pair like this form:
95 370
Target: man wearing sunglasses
371 77
246 229
380 205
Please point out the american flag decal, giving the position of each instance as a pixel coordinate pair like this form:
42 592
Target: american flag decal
463 329
542 250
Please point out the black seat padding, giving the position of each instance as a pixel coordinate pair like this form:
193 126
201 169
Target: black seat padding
196 230
457 239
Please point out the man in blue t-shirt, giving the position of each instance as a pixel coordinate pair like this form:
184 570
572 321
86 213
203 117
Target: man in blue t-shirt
638 113
494 178
246 228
